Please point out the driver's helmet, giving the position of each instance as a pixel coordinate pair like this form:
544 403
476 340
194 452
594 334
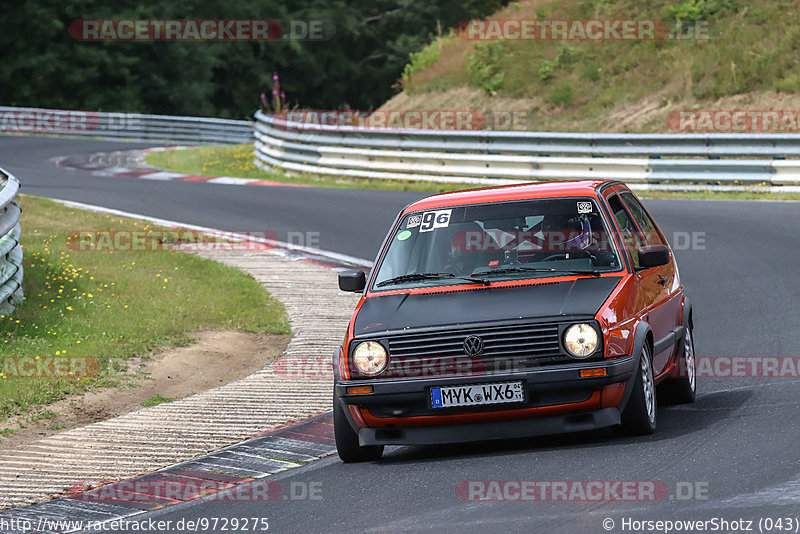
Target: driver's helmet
470 246
566 232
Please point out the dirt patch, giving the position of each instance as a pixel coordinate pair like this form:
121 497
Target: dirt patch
215 359
647 115
463 98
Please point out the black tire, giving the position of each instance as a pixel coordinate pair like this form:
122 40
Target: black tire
639 416
347 439
682 389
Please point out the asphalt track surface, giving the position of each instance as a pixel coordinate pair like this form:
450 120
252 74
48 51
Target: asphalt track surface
738 445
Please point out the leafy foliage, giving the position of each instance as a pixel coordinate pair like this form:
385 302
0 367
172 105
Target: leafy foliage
484 65
694 10
43 66
421 60
709 49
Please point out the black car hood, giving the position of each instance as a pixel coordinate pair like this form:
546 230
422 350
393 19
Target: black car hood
583 296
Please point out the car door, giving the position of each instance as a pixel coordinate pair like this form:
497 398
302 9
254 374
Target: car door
665 312
652 290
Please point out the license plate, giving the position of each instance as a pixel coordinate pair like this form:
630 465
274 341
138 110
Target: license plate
477 395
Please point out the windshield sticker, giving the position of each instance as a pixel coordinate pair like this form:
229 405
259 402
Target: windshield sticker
435 219
402 236
584 207
414 221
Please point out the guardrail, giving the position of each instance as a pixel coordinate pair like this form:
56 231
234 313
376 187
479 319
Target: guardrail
498 157
11 270
124 125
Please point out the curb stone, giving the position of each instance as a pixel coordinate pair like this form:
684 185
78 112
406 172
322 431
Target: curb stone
132 164
152 438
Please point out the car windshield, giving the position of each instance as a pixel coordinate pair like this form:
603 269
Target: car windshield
497 242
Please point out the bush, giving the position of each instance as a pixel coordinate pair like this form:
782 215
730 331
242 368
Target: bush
693 10
566 55
591 72
562 95
546 70
483 65
419 61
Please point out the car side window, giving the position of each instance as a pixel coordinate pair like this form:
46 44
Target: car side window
630 233
643 219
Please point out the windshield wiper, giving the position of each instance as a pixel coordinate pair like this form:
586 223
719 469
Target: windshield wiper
505 270
413 277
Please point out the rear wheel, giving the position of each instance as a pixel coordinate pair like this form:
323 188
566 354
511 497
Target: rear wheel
682 389
639 416
347 439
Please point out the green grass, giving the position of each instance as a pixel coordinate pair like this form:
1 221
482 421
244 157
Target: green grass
221 161
237 161
419 61
156 400
752 49
113 306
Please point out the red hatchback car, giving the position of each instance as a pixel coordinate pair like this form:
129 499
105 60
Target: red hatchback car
513 311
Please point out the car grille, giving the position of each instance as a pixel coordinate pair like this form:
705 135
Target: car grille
499 341
505 348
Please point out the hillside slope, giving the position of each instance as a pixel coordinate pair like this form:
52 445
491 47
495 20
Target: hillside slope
744 58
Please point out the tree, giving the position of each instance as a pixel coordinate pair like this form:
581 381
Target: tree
43 66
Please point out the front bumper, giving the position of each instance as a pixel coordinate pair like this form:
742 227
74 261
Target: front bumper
489 430
399 412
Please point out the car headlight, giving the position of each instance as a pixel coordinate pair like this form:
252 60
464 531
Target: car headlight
580 340
370 358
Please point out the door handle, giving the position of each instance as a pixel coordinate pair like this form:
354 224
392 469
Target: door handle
662 280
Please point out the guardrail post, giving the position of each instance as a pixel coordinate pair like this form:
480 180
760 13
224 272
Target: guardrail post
11 269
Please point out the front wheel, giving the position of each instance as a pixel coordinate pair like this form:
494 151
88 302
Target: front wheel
639 416
347 439
682 389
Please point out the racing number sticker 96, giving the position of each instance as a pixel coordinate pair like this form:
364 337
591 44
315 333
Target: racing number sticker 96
435 219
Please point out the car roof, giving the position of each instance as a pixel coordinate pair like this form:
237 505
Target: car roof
564 188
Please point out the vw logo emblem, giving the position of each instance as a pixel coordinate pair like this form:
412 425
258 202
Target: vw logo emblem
473 346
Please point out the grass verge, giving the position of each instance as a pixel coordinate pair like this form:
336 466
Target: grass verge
113 306
713 49
156 400
237 161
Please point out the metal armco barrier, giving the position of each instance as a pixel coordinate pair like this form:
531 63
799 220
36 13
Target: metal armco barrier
124 125
10 250
499 157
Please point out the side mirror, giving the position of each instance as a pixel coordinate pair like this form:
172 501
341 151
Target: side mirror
354 281
653 256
